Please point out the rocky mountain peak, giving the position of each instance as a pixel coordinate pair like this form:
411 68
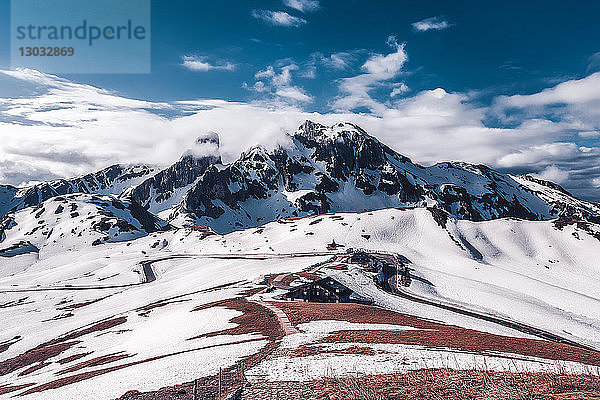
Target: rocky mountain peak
310 130
543 182
205 149
159 191
209 137
314 131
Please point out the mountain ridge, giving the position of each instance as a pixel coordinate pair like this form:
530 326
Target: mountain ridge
337 168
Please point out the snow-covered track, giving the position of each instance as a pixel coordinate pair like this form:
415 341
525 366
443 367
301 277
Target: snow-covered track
149 275
398 290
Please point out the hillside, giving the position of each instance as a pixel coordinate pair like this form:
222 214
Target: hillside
115 292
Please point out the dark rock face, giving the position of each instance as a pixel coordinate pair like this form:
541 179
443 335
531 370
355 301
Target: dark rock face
180 174
337 168
350 151
252 176
184 172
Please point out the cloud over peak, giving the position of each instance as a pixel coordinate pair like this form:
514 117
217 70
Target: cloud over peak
67 128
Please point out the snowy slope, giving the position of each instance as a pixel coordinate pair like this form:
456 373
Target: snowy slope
72 222
528 271
111 180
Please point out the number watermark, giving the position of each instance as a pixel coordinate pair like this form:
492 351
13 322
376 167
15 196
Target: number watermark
81 36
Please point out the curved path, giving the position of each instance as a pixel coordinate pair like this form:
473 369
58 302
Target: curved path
397 290
149 275
284 321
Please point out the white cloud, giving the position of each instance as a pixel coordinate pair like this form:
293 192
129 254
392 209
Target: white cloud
574 92
399 89
68 129
278 18
431 24
589 134
267 73
594 62
294 93
279 84
201 64
378 68
534 155
303 5
553 174
574 104
336 61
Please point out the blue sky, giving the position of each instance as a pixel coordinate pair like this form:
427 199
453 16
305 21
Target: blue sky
496 47
495 82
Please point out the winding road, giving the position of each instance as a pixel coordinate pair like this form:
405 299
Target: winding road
149 276
148 272
398 290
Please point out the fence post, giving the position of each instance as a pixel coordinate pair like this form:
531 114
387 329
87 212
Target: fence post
195 389
220 370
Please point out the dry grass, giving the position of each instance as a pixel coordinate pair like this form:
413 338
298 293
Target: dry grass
429 334
434 384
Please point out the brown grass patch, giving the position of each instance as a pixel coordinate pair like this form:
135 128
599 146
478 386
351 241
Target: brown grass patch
106 359
54 347
339 267
436 384
255 319
36 355
34 368
90 374
70 307
7 389
74 357
428 333
305 351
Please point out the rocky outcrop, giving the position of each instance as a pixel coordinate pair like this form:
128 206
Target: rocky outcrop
161 187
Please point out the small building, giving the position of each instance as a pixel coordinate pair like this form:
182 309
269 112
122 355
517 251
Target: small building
333 245
206 230
326 290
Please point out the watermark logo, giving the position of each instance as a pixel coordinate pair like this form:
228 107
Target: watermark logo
81 36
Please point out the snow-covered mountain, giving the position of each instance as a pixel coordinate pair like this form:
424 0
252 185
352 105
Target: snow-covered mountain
101 298
164 190
109 181
341 168
72 221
